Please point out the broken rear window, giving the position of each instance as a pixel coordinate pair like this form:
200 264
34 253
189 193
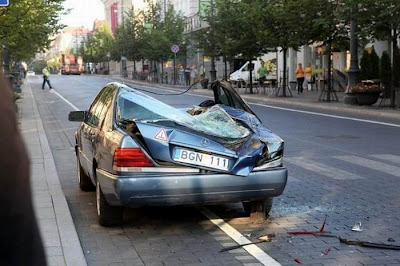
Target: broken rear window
137 106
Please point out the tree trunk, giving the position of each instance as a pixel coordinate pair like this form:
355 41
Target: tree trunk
250 67
284 72
394 68
225 69
162 71
328 96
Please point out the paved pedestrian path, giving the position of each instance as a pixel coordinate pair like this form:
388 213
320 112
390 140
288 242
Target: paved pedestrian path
57 229
308 100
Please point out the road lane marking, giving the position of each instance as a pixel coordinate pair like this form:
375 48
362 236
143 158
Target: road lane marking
323 169
372 164
327 115
252 249
388 157
65 100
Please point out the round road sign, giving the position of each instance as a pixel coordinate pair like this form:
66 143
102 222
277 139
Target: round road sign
175 48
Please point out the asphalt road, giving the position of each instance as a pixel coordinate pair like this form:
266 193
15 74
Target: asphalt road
345 170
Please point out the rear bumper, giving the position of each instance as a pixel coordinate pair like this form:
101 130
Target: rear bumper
156 190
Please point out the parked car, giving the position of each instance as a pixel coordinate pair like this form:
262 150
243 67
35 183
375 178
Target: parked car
135 150
30 73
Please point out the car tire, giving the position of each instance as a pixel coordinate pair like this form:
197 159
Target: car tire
107 215
85 183
258 209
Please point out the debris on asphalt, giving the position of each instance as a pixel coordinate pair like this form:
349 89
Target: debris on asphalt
357 227
268 235
297 260
327 250
262 239
247 235
391 240
361 243
321 230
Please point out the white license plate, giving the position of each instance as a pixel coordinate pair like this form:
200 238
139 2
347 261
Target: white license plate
201 159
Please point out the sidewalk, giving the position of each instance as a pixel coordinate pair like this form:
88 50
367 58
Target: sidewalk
309 100
57 229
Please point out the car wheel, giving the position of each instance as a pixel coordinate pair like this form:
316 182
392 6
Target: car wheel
107 215
85 184
258 209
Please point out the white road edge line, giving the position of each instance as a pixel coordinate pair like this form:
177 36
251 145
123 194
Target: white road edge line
252 249
65 100
327 115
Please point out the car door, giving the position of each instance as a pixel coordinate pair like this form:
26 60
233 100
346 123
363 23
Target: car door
225 94
91 127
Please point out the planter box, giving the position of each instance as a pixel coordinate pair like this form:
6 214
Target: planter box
367 98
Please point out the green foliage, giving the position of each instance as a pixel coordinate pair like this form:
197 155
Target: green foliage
369 65
365 65
158 35
38 66
374 64
27 25
97 46
385 72
16 96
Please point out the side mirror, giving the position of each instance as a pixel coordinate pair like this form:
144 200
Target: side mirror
77 116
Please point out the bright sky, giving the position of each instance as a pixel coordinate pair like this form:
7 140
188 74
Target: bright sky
83 12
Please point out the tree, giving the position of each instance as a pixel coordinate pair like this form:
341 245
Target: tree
239 34
128 40
27 25
98 45
385 73
287 25
365 65
383 23
374 64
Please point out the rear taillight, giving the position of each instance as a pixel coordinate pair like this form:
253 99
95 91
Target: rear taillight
131 157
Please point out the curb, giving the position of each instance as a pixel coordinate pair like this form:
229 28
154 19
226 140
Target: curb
268 100
70 243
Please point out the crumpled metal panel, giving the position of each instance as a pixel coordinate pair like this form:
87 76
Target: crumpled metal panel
214 121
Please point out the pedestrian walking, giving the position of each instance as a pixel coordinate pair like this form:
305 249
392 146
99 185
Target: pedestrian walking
46 77
262 73
300 78
193 74
187 75
309 76
181 75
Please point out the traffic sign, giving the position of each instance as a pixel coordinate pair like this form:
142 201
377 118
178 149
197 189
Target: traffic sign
175 48
4 2
108 54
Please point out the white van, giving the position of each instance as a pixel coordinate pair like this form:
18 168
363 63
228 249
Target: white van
244 74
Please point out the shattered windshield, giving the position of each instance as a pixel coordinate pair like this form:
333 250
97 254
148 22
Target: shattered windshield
137 106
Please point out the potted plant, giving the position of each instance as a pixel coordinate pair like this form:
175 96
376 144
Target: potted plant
367 93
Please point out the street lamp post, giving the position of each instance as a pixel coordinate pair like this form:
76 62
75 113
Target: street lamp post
213 71
354 70
108 62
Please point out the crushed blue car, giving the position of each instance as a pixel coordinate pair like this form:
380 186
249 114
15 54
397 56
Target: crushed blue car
135 151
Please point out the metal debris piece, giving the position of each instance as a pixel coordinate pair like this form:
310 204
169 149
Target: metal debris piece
297 261
247 235
357 227
362 243
321 230
327 250
391 240
242 245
